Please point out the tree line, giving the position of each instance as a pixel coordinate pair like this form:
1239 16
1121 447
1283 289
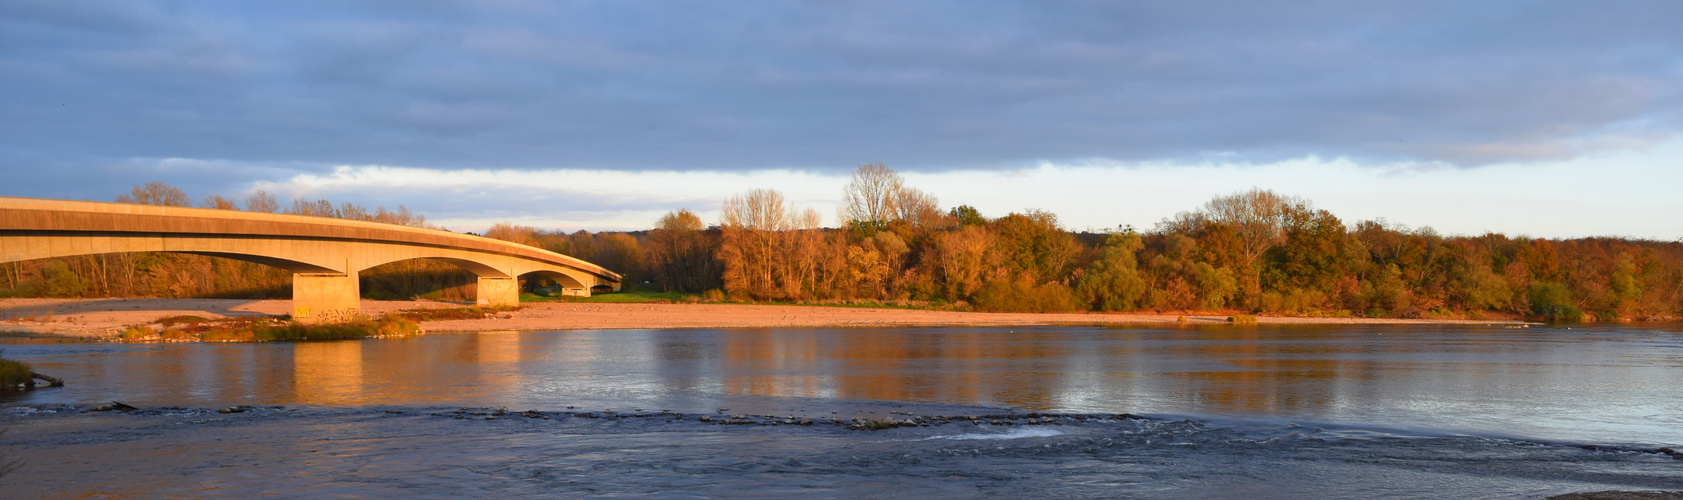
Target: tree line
1254 252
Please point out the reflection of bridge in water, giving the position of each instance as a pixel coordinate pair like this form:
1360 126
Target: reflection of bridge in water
323 254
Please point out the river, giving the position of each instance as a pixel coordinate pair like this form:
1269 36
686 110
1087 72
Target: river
1272 411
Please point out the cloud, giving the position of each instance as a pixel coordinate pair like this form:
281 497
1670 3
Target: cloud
1540 199
930 85
563 104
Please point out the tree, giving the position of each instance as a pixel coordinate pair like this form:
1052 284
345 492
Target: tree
1113 282
1312 257
877 196
1033 242
870 196
679 220
916 207
962 260
262 201
216 201
1257 219
967 215
510 232
754 226
680 253
156 193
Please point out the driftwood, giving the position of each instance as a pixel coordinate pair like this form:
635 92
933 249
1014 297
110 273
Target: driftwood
51 380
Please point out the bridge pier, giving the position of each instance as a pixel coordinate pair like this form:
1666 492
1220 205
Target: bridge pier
498 292
326 298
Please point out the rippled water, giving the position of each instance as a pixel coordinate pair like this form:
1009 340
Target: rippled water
1326 411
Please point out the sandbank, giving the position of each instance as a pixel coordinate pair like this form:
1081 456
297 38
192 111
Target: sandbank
95 318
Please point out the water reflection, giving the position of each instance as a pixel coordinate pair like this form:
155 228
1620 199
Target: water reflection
1615 378
327 373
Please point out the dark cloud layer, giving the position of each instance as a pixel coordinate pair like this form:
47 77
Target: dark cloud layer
94 91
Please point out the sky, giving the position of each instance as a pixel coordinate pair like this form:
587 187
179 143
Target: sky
1548 119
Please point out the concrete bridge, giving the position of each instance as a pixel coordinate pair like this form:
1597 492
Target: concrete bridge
323 254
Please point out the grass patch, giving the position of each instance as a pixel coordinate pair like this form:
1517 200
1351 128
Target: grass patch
373 328
169 321
475 312
14 373
1242 319
271 329
633 297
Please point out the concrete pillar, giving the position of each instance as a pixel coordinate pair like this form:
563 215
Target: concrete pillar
326 298
498 291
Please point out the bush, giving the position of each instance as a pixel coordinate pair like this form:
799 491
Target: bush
229 335
170 321
1553 302
13 373
1242 320
384 327
1022 295
134 333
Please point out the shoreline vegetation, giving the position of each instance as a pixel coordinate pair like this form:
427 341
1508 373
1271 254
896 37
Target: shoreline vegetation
398 324
1256 253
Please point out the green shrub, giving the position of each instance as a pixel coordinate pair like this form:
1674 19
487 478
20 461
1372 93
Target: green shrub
1553 302
1242 320
384 327
13 373
229 335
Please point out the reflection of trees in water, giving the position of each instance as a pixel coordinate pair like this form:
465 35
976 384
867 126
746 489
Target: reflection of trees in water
327 373
896 365
772 363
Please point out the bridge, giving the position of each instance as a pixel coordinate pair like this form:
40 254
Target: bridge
324 255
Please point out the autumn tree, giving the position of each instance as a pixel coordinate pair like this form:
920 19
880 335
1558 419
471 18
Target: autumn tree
262 201
156 193
1257 220
514 233
870 196
680 253
216 201
877 196
754 226
1033 243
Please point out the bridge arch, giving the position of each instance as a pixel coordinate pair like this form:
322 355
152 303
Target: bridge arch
570 285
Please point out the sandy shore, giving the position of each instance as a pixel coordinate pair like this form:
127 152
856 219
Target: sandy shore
104 317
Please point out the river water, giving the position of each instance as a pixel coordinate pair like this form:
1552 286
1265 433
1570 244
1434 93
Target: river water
1268 412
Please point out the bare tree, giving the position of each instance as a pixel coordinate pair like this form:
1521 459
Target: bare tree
1258 216
756 229
156 193
216 201
870 197
917 207
318 208
758 210
262 201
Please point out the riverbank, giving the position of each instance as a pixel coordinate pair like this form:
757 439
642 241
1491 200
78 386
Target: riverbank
100 318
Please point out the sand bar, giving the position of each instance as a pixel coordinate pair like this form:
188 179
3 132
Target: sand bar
105 317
